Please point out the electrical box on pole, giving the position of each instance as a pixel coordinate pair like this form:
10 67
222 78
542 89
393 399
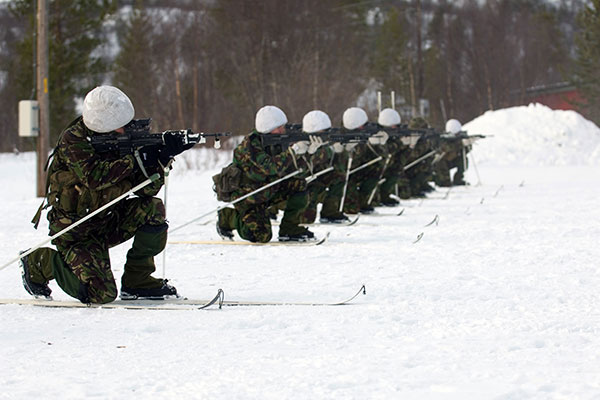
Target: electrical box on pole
29 118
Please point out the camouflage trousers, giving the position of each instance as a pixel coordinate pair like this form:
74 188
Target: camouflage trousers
326 189
81 266
360 186
252 220
442 172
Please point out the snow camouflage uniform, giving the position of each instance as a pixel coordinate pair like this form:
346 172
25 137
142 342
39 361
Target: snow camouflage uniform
80 181
261 165
453 158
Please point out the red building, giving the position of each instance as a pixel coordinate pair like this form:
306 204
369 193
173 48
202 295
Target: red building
560 96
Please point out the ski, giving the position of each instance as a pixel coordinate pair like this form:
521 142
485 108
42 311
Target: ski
242 303
377 214
332 224
174 304
435 220
245 243
167 304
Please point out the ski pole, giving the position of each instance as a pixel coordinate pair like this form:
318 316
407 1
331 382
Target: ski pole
151 179
346 182
380 180
315 176
418 160
164 256
476 171
260 189
365 165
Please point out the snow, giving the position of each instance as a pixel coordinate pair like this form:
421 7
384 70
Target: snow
498 300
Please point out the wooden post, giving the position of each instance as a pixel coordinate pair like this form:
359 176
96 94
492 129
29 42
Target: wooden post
43 142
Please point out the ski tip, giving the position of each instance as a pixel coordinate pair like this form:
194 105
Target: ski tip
419 237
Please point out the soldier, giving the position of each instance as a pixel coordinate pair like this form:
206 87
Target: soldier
362 182
315 122
261 165
394 172
81 180
420 174
454 156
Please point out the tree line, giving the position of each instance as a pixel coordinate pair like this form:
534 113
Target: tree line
209 65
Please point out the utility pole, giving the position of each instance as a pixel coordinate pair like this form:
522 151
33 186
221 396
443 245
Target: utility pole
43 141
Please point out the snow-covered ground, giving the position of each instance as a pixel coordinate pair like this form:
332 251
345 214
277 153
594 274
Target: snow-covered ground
498 300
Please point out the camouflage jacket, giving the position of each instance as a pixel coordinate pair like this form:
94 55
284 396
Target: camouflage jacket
80 180
452 147
261 165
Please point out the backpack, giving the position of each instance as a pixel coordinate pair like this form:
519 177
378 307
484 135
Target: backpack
227 182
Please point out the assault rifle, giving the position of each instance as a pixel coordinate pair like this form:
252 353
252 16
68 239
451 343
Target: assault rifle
137 135
293 133
463 136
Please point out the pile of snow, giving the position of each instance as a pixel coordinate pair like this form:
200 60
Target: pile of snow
535 135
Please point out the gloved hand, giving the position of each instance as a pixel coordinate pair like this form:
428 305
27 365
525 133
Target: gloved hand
350 146
379 138
315 143
300 148
173 146
337 147
410 141
468 141
149 156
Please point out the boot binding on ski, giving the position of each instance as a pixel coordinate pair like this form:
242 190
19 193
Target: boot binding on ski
304 236
164 292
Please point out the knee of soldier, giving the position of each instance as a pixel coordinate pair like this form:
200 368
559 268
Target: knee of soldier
261 234
151 228
156 209
106 295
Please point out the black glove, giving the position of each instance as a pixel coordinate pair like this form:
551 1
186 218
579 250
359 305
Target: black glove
173 146
149 156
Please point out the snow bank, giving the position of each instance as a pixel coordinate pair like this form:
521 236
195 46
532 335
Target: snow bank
535 135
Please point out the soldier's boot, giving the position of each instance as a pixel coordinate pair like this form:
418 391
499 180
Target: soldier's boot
226 222
331 215
290 229
36 272
458 178
137 282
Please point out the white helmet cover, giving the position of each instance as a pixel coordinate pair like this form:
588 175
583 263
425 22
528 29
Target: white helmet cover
315 121
388 117
453 126
354 117
269 118
106 108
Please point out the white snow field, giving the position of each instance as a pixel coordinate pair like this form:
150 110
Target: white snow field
498 300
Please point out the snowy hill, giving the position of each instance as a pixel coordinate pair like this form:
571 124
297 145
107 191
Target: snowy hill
498 300
535 135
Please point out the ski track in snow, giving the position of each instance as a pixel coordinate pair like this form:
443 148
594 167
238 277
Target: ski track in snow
498 300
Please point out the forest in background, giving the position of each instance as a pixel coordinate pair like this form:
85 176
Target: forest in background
208 65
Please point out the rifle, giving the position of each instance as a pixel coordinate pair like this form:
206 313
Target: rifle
137 135
293 133
463 136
